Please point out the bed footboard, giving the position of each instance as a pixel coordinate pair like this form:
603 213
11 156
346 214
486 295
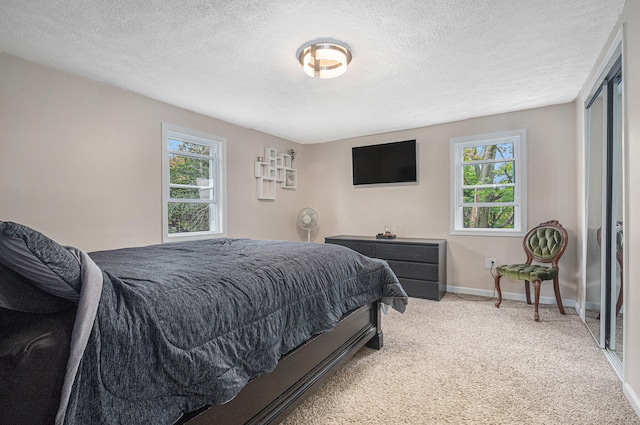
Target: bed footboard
268 399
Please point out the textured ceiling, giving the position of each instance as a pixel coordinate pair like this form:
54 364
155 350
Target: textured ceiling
415 63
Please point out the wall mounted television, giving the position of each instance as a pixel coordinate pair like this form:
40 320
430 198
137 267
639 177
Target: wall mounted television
385 163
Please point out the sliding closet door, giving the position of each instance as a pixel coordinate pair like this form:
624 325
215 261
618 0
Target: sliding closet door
604 207
615 222
596 137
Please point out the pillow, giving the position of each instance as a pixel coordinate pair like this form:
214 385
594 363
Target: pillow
19 294
48 265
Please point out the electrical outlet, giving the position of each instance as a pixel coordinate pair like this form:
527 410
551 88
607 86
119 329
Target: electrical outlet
489 263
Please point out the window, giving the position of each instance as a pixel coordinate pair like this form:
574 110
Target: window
489 184
193 184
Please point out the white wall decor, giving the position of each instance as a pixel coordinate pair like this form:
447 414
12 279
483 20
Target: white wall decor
271 170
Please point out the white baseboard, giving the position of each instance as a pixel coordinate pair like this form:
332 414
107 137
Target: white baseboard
506 295
592 306
632 397
581 311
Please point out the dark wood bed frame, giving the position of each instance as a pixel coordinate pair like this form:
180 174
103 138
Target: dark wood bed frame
269 398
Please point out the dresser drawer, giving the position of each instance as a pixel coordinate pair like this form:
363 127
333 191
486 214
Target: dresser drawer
406 252
364 248
421 288
411 270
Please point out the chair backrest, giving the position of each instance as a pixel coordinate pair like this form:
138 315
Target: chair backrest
619 241
546 242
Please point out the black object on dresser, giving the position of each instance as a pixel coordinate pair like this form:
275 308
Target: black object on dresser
420 264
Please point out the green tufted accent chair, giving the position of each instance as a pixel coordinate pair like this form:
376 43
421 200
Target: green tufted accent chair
545 243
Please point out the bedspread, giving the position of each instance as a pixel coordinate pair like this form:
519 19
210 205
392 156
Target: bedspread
178 326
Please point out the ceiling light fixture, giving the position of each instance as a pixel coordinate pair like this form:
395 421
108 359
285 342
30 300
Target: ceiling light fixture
324 58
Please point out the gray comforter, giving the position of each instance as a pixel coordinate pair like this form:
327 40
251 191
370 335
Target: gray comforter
179 326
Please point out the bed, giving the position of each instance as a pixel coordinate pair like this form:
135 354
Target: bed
220 331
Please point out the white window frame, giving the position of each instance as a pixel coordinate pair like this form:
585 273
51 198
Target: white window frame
519 139
218 203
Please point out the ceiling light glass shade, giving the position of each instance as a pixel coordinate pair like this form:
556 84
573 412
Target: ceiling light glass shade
326 59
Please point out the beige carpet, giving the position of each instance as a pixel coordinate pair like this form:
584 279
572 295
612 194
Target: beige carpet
459 361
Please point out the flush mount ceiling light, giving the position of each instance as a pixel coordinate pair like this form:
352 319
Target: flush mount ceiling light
324 58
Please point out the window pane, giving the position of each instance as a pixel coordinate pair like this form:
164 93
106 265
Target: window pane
488 217
500 194
480 153
184 193
493 173
184 218
180 145
186 170
180 193
203 191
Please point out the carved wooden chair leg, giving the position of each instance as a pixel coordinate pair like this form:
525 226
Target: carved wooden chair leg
536 291
527 291
619 302
497 284
556 289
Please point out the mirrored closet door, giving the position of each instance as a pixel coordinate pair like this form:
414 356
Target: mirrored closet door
604 304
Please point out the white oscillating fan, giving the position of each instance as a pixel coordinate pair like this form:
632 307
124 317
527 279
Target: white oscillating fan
308 220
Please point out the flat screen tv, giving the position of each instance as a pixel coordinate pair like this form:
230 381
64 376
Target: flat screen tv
386 163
